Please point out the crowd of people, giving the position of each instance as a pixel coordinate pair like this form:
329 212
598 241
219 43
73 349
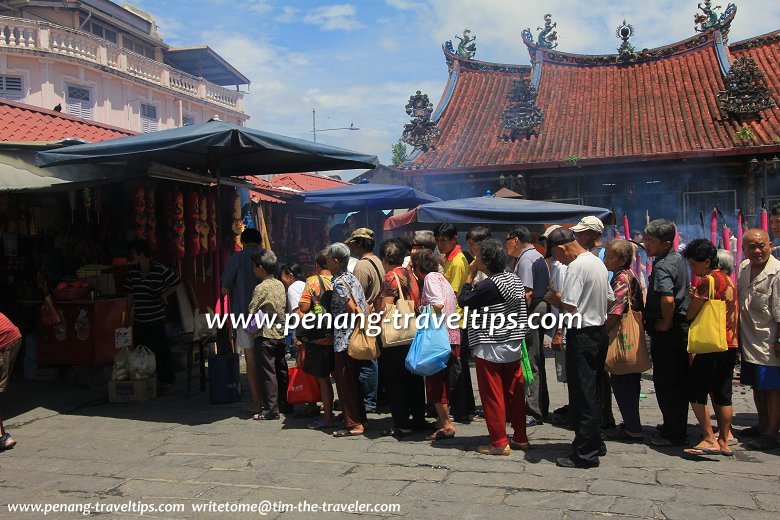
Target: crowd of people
563 271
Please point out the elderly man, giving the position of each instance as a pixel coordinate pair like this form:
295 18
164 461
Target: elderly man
759 333
586 292
666 323
532 270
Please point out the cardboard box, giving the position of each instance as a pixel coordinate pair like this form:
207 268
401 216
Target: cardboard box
132 391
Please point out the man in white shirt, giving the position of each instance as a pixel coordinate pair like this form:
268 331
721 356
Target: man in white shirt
586 292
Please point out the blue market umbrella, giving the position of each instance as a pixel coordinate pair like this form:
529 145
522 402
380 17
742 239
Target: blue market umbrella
494 211
222 148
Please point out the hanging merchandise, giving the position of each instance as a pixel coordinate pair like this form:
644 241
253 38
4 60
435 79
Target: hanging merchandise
98 202
139 207
204 222
82 325
87 194
212 222
72 203
192 217
151 218
238 223
170 234
178 223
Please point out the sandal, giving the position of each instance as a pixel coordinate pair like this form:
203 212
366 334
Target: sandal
347 433
439 435
765 442
6 442
522 446
398 433
700 450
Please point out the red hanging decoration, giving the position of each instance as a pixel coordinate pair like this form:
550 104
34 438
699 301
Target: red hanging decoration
238 224
204 223
139 207
178 222
212 201
151 218
192 217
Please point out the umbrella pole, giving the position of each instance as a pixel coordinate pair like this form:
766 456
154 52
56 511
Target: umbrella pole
223 340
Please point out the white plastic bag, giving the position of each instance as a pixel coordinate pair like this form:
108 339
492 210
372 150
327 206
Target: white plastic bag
202 332
123 337
121 370
141 363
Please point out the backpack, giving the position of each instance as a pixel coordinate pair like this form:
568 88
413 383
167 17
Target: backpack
321 304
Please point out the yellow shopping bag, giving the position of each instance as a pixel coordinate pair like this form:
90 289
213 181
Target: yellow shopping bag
708 331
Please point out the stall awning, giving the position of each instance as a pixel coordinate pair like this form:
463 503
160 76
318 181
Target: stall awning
18 173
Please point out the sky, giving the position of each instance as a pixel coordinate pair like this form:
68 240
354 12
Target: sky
357 63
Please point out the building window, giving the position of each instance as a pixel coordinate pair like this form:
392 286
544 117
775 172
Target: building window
11 88
187 120
98 29
78 102
148 118
138 47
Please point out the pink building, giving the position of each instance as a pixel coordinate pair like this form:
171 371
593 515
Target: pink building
100 61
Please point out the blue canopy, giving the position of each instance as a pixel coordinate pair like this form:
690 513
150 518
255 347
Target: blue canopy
222 148
495 211
363 197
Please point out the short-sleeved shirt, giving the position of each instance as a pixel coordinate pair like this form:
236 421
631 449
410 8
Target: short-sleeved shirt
724 290
456 269
345 286
147 290
408 284
370 273
759 312
669 278
9 333
624 283
294 292
587 288
532 270
270 297
314 289
239 277
438 291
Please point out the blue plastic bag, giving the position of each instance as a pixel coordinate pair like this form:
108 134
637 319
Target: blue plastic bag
430 350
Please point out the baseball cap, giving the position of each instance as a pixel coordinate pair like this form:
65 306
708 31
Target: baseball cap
558 237
589 224
547 232
360 233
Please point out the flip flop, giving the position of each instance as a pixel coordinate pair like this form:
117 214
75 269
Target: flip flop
762 443
347 433
702 451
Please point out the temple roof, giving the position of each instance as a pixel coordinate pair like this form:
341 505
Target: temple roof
663 106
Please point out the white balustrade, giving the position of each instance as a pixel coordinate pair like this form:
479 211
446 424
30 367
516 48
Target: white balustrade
16 33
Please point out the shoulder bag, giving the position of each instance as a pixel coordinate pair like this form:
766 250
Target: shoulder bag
627 353
707 333
404 335
361 346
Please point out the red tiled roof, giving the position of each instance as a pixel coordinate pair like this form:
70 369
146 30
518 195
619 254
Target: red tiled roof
659 108
260 196
26 123
304 182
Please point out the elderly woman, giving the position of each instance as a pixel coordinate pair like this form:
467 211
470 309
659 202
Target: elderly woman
618 258
405 391
267 355
498 349
348 298
438 293
726 261
712 373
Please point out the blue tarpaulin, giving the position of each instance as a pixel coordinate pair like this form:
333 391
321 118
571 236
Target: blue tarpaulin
363 197
495 211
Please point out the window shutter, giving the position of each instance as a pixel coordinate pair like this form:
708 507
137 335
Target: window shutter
148 118
78 102
11 88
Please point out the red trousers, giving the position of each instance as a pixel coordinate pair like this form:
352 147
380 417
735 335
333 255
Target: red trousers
437 385
501 391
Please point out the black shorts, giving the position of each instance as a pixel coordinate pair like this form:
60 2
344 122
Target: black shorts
318 360
712 374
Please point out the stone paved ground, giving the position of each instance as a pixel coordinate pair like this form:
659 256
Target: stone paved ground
188 451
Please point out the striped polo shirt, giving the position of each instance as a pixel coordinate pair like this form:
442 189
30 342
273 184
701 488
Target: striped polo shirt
147 290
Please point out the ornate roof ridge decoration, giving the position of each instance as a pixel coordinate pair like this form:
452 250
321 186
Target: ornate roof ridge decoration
485 66
756 41
522 116
745 95
420 132
709 19
626 52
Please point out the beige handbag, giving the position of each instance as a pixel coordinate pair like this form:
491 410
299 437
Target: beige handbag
392 336
627 352
361 346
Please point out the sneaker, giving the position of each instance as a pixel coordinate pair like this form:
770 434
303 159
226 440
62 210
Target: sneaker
568 462
267 417
532 421
6 442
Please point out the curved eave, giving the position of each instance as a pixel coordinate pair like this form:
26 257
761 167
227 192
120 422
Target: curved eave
764 39
466 63
695 42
